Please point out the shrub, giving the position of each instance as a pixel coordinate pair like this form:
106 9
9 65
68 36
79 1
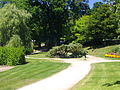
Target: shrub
71 50
58 51
76 50
28 51
116 50
11 56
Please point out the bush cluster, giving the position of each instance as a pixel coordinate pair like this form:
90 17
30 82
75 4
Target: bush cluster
11 56
116 50
64 51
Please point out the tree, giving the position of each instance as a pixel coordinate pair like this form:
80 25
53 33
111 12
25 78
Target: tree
118 17
79 30
50 17
15 41
103 24
14 22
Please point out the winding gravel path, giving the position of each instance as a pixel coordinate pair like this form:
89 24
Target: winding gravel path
67 78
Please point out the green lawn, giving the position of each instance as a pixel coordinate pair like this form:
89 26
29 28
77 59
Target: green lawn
103 76
100 52
39 55
35 70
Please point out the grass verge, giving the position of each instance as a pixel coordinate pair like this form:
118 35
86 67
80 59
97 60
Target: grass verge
100 52
39 55
26 74
103 76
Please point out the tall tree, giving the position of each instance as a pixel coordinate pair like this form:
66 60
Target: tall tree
14 21
79 32
52 17
103 24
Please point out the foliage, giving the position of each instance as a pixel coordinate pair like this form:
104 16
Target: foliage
102 25
28 51
101 51
50 18
115 50
71 50
58 51
76 50
15 41
118 17
13 21
79 30
11 56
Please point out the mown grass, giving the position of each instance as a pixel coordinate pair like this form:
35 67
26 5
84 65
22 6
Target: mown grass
100 52
26 74
39 55
103 76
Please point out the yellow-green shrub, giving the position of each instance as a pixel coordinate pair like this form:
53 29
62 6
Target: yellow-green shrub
11 56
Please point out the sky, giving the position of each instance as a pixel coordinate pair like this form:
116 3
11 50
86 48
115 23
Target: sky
91 2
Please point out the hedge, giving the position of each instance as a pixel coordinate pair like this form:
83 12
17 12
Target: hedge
11 56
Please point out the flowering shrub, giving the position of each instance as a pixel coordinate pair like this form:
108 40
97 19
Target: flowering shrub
115 53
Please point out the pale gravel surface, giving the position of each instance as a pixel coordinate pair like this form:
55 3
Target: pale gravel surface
67 78
4 68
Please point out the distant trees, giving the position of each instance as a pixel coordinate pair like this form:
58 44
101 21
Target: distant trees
50 21
50 18
102 24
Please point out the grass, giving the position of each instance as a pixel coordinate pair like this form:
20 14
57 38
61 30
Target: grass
26 74
100 52
39 55
103 76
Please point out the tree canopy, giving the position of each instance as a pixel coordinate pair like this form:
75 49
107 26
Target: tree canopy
52 21
14 22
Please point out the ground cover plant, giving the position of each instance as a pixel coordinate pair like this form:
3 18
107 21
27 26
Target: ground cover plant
26 74
101 51
103 76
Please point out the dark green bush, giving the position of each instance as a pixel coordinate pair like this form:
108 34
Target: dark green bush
28 51
71 50
11 56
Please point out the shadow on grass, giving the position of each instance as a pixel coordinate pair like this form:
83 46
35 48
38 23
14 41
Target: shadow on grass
111 84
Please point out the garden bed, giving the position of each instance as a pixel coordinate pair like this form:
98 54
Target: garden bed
112 55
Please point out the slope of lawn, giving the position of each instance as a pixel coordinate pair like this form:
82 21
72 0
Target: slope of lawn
103 76
100 52
31 72
39 55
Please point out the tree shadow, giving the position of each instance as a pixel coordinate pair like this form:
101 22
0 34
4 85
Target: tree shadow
111 84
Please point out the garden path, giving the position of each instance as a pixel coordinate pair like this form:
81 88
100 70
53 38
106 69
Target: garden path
4 68
67 78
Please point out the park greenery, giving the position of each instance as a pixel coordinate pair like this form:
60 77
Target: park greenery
62 28
25 23
102 50
34 71
11 56
68 51
103 76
